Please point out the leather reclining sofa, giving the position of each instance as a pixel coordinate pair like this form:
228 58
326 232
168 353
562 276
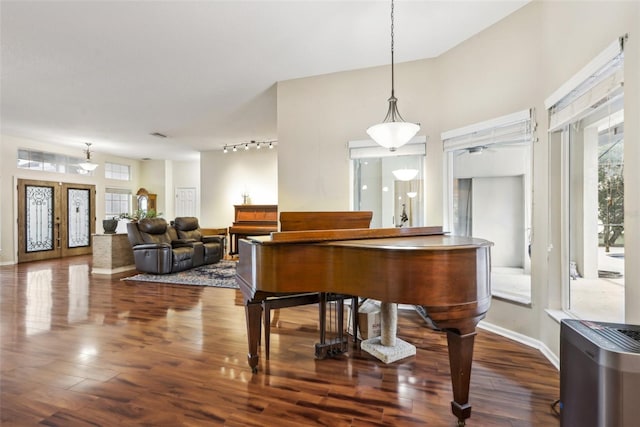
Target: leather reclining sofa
161 248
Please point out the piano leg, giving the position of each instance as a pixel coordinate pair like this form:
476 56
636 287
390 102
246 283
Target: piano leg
253 312
460 358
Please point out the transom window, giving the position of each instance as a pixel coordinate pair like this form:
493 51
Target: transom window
117 171
49 162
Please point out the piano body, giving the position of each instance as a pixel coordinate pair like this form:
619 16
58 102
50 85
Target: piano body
252 220
448 275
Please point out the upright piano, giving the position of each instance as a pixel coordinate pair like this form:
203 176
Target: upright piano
448 275
252 220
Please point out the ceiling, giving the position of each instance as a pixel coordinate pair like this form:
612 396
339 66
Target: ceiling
203 73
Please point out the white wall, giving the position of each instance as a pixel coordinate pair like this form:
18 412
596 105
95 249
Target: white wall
317 116
225 177
152 174
498 215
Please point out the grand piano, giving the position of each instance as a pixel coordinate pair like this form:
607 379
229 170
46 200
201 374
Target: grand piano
448 275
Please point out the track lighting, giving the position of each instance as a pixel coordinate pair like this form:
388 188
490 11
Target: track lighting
247 145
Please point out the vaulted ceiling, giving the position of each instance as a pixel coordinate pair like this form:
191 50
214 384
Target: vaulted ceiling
203 73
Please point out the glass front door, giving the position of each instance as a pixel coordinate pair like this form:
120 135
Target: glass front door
54 220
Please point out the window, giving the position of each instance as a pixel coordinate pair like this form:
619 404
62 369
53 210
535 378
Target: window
117 201
488 193
390 184
50 162
586 118
117 171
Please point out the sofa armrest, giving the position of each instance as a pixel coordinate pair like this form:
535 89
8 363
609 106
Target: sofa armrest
151 246
213 239
181 243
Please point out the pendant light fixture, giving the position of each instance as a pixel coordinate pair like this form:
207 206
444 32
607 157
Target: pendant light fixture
88 165
393 132
405 174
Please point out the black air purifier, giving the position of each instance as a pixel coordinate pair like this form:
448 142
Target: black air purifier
599 374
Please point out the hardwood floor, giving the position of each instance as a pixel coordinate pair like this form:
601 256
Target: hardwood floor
86 350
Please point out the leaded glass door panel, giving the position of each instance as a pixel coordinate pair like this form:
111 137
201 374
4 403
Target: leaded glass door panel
55 219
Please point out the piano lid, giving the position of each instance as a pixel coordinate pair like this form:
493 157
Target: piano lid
312 236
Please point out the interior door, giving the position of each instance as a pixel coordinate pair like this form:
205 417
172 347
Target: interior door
54 219
185 201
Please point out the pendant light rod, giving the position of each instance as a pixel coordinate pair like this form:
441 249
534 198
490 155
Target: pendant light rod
393 132
392 63
393 115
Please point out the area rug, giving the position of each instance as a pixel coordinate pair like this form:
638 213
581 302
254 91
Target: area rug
221 275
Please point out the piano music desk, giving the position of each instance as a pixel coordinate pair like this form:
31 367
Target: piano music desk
252 220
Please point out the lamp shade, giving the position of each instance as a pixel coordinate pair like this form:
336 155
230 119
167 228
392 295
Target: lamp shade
88 165
405 174
393 135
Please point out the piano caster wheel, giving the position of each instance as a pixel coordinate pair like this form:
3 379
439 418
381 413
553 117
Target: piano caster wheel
461 423
254 370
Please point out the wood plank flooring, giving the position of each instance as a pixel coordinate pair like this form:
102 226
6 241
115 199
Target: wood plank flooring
87 350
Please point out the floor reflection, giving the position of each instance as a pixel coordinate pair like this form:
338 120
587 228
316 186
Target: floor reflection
78 310
39 301
55 299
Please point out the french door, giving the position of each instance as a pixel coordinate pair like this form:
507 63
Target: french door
55 219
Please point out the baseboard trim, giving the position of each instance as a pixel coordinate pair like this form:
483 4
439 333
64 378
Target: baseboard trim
523 339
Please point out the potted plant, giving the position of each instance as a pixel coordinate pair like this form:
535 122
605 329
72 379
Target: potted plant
139 214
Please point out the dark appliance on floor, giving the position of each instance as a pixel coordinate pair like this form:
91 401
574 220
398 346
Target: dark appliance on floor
599 374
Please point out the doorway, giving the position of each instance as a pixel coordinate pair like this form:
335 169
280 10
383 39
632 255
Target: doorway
55 219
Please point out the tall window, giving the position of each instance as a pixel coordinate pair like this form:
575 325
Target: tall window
117 171
587 117
390 184
488 169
